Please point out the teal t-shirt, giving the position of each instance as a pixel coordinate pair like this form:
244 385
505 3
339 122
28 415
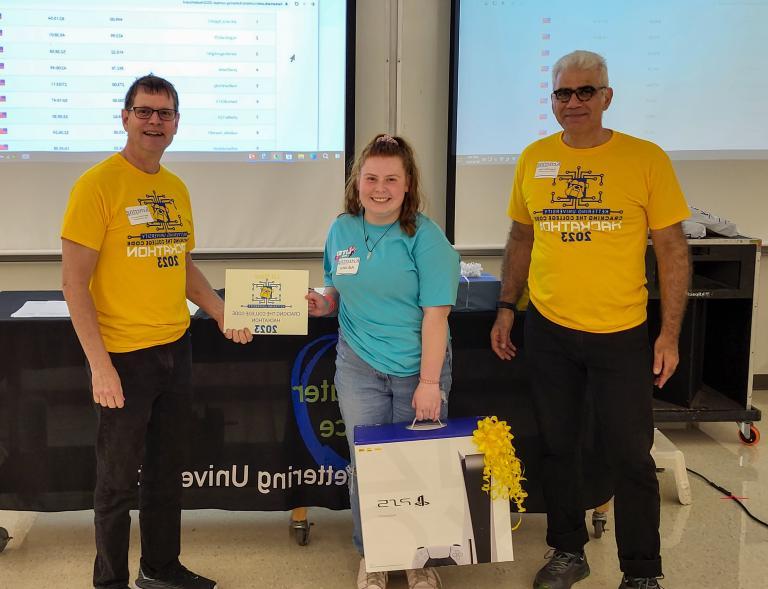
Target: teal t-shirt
380 306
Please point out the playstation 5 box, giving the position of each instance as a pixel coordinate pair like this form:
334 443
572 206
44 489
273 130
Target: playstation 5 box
421 498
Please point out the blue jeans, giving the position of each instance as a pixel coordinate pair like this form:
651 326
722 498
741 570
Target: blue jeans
367 396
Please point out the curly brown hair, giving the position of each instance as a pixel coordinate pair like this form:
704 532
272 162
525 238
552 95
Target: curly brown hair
384 145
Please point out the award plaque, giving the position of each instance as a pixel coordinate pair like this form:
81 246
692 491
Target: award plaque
268 302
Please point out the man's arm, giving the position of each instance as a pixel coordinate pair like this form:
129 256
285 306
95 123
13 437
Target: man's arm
200 292
77 265
514 273
674 265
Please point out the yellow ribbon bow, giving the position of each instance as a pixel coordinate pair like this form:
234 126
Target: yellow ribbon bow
493 438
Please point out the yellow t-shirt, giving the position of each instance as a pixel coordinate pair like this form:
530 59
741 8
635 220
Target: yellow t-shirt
591 210
141 225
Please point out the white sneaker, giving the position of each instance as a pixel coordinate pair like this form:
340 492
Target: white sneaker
370 580
426 578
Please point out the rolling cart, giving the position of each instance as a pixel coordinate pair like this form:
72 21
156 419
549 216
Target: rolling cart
713 382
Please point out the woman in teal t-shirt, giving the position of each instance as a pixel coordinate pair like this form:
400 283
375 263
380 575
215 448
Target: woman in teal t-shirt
393 276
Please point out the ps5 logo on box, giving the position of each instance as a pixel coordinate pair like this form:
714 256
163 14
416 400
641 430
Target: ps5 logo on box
403 502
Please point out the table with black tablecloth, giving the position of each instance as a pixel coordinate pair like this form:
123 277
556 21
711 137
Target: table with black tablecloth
267 433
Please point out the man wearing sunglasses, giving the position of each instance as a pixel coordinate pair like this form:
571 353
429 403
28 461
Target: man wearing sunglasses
582 203
127 271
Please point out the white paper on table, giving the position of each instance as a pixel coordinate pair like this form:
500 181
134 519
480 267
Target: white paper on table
60 309
42 309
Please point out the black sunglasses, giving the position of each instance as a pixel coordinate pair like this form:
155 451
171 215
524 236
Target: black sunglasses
583 93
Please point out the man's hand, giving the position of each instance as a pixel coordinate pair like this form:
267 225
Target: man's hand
514 273
107 389
500 334
426 401
239 336
665 359
673 260
199 291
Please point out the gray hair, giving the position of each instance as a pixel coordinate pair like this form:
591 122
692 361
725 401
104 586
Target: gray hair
582 60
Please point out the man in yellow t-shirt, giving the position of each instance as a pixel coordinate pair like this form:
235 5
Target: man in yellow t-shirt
127 271
581 206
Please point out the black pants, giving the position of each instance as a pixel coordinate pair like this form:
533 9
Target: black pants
148 433
615 369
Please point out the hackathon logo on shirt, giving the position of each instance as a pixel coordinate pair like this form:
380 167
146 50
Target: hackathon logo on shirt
164 237
575 215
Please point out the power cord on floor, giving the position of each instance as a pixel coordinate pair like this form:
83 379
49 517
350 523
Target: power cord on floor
730 495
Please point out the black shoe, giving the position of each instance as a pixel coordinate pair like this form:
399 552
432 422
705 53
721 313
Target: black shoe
562 571
180 579
640 583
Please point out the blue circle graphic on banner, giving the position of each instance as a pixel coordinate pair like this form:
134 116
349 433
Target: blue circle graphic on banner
323 454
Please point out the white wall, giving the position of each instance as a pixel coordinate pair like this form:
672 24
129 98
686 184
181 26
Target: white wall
423 105
422 118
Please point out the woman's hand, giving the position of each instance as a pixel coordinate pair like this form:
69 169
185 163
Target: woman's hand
427 401
320 305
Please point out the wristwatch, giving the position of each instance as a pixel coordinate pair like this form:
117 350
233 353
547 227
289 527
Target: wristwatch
506 305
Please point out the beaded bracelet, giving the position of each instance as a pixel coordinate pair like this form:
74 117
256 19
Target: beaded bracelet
428 381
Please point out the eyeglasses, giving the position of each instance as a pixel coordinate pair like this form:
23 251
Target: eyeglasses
583 93
144 112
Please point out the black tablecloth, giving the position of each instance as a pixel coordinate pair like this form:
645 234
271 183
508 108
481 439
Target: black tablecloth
265 415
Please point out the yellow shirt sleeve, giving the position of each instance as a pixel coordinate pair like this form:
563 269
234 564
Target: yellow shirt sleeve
666 202
86 217
517 209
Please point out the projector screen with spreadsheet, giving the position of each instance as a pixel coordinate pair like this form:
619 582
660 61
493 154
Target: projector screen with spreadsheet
264 102
686 75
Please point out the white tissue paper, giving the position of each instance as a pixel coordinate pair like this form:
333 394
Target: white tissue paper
471 269
694 230
713 223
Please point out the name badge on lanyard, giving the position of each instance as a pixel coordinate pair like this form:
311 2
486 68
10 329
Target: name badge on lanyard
347 266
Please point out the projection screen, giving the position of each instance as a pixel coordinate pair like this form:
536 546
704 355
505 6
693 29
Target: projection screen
266 112
688 75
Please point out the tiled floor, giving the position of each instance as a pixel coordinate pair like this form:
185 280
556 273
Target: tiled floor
710 544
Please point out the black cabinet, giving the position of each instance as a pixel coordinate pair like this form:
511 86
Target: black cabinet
714 379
